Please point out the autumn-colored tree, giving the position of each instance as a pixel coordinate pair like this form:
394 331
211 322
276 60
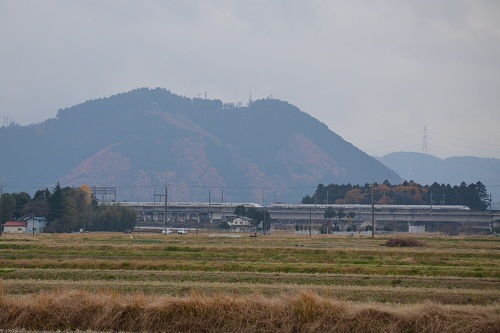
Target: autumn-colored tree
354 196
83 200
410 193
385 200
382 190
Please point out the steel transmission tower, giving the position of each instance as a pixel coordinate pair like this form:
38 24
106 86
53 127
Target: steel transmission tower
424 141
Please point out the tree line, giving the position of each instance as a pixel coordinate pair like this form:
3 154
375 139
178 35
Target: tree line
66 209
474 195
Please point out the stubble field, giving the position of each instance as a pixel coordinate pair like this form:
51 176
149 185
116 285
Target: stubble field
272 283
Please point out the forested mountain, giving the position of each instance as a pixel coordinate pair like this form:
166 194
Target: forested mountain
140 140
426 169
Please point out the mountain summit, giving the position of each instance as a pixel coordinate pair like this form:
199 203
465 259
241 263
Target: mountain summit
204 149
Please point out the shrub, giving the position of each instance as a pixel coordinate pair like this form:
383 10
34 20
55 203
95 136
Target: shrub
408 242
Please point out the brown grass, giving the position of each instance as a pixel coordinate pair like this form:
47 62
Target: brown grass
406 242
110 311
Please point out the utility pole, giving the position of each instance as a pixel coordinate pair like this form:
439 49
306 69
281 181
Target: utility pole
165 211
264 223
373 214
315 206
492 219
154 202
160 197
490 204
431 203
310 222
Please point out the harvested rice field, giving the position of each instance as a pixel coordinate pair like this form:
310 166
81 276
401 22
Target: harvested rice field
270 283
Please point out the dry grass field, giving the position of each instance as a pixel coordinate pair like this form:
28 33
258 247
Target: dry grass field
270 283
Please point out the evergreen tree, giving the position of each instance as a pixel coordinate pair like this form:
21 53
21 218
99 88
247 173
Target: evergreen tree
257 216
22 199
113 218
62 213
329 214
240 211
341 214
56 204
477 196
7 207
39 205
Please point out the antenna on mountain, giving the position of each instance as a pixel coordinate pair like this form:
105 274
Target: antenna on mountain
250 97
424 141
205 91
5 121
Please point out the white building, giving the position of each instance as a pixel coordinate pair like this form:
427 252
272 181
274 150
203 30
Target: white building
36 223
240 223
416 229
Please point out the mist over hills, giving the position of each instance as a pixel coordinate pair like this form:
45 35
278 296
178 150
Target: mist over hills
140 140
426 169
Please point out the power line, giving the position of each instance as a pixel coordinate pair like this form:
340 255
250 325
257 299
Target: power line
459 146
412 135
27 187
464 139
446 143
424 141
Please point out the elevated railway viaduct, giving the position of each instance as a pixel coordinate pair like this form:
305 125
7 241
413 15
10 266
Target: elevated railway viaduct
412 215
421 215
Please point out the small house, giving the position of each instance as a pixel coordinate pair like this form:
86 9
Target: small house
14 227
240 223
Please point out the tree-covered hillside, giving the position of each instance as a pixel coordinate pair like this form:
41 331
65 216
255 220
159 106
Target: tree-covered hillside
152 137
474 195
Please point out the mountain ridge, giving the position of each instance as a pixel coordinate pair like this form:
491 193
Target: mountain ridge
148 137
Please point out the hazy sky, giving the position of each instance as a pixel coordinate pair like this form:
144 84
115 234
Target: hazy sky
376 72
